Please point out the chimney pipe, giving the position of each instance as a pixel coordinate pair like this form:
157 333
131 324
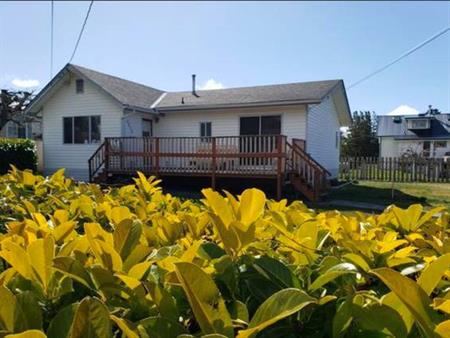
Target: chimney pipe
193 85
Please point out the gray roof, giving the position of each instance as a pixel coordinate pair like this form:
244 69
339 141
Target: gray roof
141 97
126 92
292 92
439 127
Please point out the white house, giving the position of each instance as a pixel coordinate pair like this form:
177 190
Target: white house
426 135
81 107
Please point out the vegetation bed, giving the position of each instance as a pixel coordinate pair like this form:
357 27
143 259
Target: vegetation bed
133 262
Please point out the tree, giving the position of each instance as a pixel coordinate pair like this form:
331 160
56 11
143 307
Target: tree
13 105
361 139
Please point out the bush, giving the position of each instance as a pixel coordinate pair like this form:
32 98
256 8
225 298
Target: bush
135 262
18 152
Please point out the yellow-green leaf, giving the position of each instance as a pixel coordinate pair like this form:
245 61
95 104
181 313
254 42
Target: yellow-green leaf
252 205
205 300
28 334
278 306
411 295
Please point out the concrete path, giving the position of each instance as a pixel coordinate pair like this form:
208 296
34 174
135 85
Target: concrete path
353 204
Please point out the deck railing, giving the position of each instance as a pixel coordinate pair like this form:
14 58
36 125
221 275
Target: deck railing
256 156
226 155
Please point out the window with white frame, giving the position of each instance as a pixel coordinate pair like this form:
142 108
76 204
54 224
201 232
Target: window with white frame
205 129
81 129
418 123
79 85
440 144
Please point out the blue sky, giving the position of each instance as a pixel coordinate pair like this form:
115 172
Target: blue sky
239 44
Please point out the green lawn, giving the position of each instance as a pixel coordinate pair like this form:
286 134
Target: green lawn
402 194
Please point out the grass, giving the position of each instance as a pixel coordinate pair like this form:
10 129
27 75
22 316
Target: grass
401 194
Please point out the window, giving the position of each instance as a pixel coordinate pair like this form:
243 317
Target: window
205 129
418 123
79 84
440 144
81 129
17 130
261 125
337 140
147 128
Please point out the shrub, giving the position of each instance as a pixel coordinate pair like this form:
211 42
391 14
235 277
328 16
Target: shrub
135 262
18 152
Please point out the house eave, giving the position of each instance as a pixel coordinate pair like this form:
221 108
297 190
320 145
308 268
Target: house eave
236 105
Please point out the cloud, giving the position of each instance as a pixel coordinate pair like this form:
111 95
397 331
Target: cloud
25 83
212 84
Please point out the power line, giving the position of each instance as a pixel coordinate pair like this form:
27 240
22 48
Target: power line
409 52
51 42
82 30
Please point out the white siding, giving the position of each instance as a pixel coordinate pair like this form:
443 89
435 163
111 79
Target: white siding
321 130
65 102
388 147
226 122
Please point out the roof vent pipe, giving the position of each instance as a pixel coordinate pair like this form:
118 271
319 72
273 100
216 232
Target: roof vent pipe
193 85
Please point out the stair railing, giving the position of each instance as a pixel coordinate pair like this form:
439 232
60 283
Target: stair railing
97 160
311 172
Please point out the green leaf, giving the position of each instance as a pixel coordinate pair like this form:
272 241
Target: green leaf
343 317
73 269
159 327
275 271
60 325
205 300
278 306
411 295
91 320
377 317
331 274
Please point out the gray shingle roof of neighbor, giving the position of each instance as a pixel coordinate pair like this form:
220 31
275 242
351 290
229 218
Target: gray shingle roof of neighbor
304 91
439 127
126 92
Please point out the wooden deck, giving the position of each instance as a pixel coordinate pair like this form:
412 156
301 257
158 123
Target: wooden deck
264 156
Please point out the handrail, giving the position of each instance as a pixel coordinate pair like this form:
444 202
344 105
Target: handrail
310 158
310 171
97 160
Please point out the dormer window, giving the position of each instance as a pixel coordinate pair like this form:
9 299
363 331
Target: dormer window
79 84
418 123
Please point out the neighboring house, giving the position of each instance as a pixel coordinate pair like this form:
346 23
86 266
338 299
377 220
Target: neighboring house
426 135
81 107
23 130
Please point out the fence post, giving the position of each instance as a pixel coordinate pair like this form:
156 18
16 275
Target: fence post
156 156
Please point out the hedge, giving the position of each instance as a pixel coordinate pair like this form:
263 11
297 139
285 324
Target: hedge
19 152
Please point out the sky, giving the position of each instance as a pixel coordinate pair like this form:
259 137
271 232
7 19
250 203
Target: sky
234 44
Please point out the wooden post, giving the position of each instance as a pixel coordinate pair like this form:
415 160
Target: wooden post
106 156
156 156
214 162
279 157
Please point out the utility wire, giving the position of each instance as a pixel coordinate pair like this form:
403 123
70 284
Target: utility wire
51 42
409 52
82 30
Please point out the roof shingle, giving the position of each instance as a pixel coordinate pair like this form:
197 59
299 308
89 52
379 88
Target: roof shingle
304 91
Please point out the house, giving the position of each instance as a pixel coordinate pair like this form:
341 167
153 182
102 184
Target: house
95 124
28 129
426 135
